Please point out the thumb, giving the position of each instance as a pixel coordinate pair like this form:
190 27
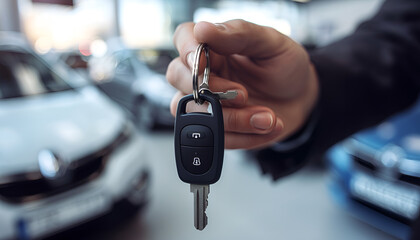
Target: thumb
242 37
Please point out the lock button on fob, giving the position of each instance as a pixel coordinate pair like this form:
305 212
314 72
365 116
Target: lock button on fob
197 160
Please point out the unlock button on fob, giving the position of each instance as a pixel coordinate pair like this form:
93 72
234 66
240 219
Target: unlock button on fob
196 160
196 135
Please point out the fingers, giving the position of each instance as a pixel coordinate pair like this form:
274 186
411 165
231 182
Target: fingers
185 42
242 37
246 127
174 102
186 45
231 37
252 141
179 76
243 119
251 119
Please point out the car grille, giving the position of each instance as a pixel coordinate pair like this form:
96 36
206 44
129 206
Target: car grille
384 211
28 187
366 165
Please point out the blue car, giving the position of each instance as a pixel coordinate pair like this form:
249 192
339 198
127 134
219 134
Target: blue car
375 174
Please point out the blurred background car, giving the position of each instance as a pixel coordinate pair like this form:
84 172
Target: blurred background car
132 84
75 60
375 174
157 58
68 154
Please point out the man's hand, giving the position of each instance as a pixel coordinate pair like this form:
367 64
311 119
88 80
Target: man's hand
276 82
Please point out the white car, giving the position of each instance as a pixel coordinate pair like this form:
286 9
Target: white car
68 154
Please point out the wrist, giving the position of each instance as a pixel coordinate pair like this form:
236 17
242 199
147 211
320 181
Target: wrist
301 136
309 115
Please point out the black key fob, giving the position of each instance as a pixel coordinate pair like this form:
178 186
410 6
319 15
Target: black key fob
199 141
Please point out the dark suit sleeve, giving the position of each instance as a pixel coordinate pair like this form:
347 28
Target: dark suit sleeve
364 78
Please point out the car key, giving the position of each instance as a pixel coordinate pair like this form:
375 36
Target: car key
199 150
199 141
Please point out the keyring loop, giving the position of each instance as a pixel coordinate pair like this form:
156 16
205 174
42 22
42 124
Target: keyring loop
204 85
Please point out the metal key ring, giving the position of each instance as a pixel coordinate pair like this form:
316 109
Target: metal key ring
195 70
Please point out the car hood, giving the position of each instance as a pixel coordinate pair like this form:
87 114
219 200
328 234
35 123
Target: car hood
70 123
402 130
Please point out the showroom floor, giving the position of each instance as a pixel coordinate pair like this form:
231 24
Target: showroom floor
242 205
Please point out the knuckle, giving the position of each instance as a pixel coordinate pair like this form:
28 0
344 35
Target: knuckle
181 26
171 72
174 103
241 25
178 32
182 30
184 50
232 121
173 107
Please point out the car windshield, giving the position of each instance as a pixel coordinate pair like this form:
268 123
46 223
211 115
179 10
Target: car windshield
23 74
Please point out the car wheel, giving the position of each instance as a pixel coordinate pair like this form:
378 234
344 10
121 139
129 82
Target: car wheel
145 115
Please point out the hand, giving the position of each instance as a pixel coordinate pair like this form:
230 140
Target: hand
276 82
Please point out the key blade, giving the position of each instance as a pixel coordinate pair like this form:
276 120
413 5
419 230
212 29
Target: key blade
201 193
231 94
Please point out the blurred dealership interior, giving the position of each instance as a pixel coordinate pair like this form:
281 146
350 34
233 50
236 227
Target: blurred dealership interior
76 24
86 141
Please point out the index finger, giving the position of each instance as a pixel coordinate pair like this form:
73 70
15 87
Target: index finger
242 37
186 44
184 41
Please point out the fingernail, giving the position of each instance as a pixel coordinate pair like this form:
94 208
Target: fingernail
242 94
262 120
190 59
220 26
279 123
